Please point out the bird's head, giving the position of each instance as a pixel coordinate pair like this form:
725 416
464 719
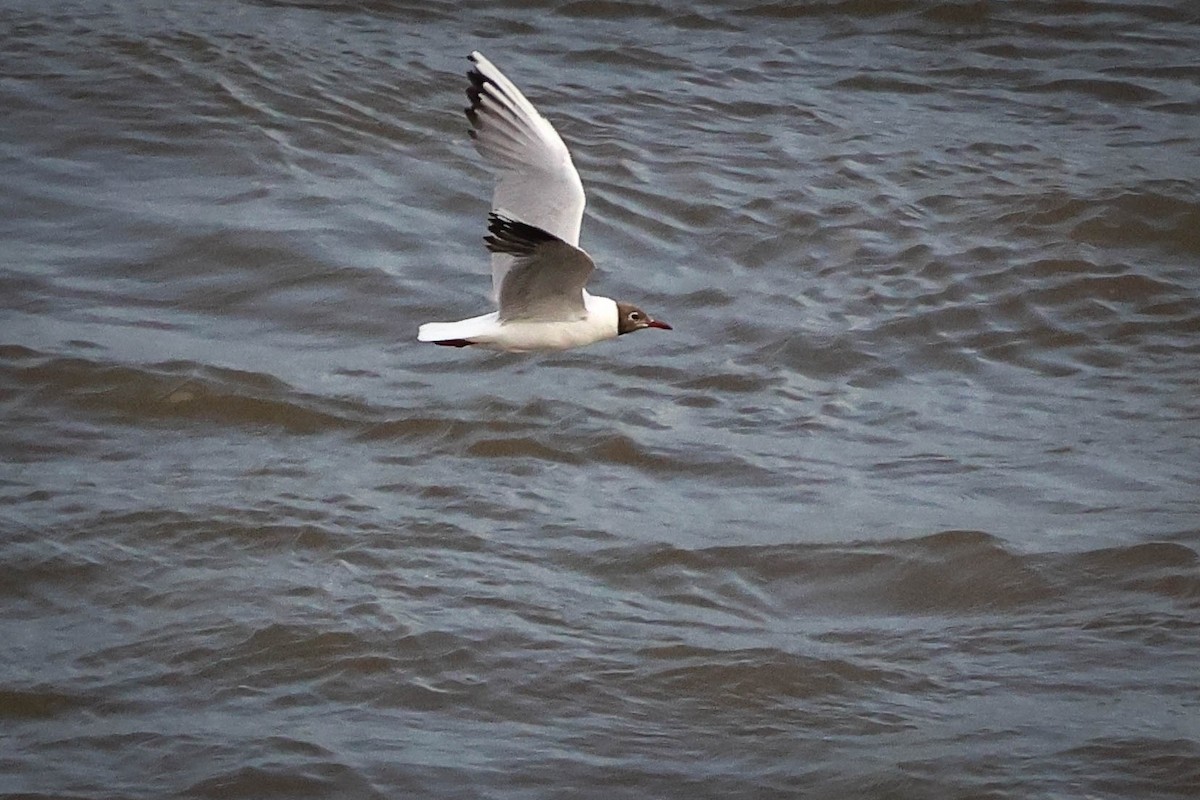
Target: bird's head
630 318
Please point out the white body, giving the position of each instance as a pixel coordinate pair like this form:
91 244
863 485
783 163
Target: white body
487 330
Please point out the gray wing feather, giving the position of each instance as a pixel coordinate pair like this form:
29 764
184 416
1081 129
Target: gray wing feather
547 277
536 180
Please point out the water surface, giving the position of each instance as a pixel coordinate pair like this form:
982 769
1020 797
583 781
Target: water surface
906 505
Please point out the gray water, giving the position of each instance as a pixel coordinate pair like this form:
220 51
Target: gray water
906 506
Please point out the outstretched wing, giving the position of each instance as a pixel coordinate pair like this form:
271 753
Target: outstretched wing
536 181
547 276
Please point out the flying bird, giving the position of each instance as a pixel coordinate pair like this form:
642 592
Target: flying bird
539 273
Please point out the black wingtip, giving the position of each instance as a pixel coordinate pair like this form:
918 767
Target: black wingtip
474 93
514 237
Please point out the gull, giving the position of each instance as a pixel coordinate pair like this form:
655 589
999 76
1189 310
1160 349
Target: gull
538 271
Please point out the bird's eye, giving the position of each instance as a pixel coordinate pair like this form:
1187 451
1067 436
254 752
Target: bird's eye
635 315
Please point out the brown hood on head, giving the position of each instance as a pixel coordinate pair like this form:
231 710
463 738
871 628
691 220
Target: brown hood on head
630 318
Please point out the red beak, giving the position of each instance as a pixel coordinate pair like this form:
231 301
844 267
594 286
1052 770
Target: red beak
654 323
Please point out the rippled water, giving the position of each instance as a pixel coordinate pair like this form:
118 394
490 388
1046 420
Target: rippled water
906 506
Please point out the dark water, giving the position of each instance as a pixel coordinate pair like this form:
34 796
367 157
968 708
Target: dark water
905 507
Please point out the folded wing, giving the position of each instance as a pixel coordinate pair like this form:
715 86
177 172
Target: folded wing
536 181
546 280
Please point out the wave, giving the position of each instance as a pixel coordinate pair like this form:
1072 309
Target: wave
948 573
